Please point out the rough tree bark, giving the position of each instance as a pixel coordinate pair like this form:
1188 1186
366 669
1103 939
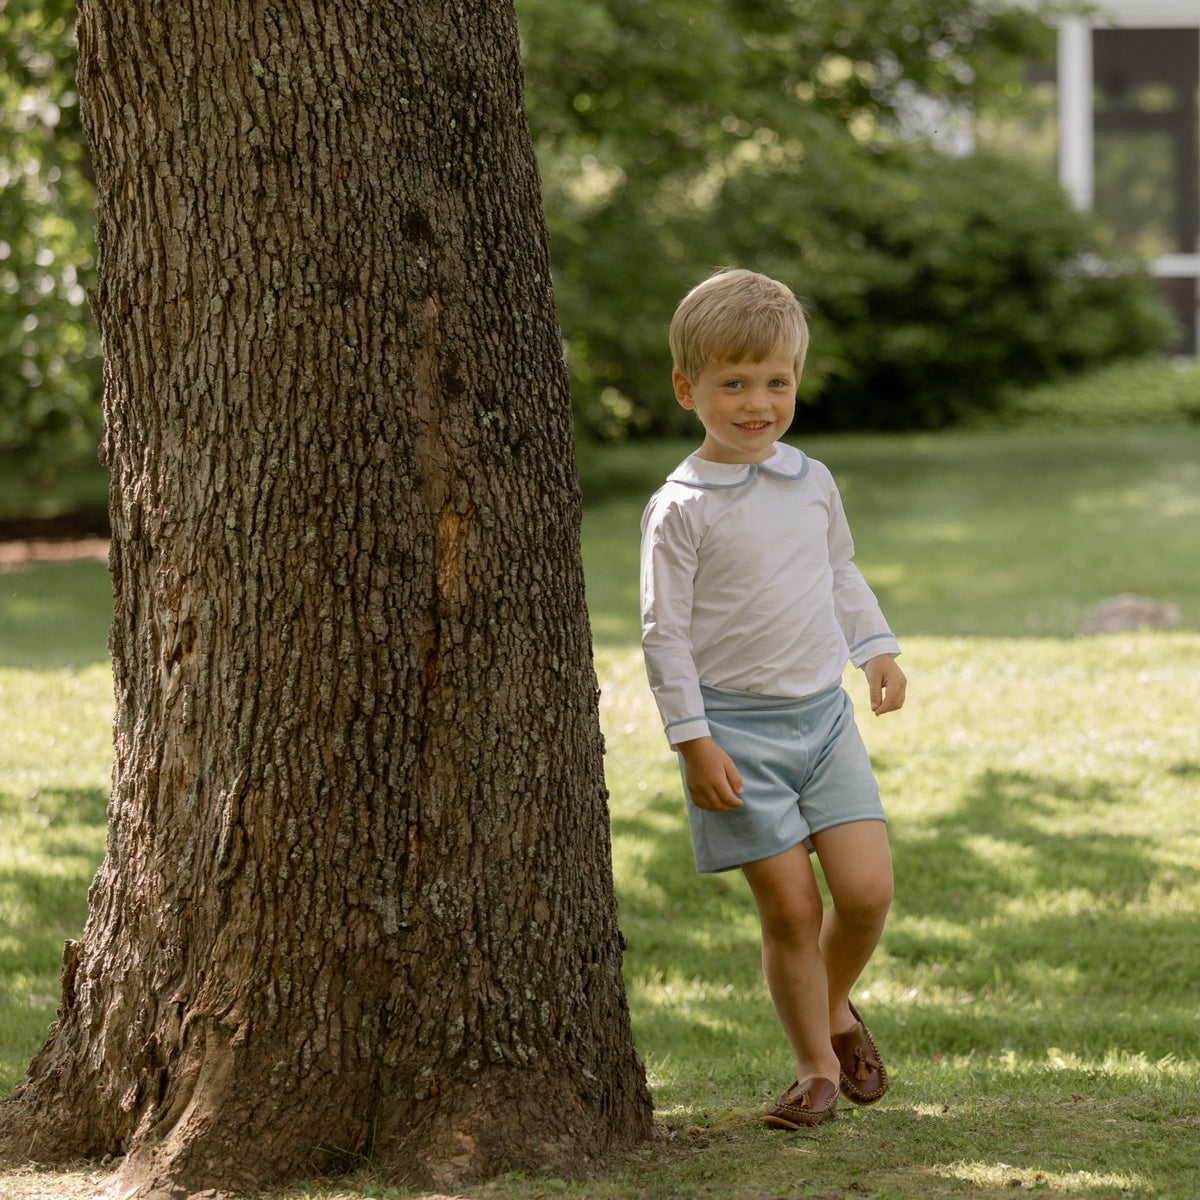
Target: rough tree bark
357 895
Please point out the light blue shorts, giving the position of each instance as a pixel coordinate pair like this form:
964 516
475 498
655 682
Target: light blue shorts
804 768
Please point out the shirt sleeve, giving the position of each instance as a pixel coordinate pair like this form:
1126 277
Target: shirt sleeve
858 612
668 572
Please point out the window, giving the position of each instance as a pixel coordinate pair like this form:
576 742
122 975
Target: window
1147 153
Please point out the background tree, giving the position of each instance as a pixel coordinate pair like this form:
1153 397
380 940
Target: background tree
804 137
799 137
357 895
49 359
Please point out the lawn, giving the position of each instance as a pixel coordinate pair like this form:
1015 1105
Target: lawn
1012 534
1037 988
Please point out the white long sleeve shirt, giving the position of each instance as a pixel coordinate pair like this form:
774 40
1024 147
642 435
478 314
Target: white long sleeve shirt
748 582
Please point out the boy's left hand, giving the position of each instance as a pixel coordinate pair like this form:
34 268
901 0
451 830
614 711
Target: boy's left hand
887 684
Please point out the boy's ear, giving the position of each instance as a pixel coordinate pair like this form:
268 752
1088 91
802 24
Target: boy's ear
683 388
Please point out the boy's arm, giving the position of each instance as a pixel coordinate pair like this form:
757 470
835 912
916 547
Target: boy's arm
668 568
858 613
713 782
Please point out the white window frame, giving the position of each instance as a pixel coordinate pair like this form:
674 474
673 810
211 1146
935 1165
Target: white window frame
1076 142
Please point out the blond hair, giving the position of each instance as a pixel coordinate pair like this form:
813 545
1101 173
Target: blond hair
737 316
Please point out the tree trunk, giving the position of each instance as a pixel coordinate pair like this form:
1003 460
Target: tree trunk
357 897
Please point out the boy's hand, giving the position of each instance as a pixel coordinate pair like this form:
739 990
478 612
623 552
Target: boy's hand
713 781
887 684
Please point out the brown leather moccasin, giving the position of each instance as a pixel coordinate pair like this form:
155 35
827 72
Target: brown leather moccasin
863 1079
807 1103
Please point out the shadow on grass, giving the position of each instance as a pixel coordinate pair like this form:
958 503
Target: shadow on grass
1138 1147
1018 925
55 616
57 809
57 843
1062 936
1002 842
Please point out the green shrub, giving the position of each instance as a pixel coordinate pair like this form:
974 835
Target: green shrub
676 137
1147 392
934 284
946 281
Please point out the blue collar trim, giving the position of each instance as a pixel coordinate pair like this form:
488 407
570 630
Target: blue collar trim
684 473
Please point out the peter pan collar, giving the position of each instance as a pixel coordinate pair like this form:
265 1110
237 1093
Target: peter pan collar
785 463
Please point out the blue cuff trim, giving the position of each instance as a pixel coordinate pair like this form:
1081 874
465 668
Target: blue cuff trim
685 721
873 638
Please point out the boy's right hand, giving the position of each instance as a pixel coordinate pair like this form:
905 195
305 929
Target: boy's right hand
713 782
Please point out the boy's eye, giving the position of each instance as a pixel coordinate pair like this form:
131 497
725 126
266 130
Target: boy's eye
733 383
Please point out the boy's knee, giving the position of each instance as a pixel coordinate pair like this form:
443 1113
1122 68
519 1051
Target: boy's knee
795 919
867 901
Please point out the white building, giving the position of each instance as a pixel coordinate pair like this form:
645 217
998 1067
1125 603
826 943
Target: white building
1129 135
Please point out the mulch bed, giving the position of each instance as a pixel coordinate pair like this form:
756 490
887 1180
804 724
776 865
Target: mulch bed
28 540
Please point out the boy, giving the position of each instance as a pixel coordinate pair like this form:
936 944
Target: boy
751 605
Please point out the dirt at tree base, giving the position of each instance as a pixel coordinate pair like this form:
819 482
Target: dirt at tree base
92 1183
72 526
32 1183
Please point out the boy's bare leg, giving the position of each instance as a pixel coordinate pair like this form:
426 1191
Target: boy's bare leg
857 864
789 912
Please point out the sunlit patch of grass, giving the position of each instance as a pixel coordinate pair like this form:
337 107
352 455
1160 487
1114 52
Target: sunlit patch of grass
1006 1175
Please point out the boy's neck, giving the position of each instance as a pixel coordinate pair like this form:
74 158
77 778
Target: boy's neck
717 455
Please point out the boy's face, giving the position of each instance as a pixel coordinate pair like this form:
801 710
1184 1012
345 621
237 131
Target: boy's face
745 407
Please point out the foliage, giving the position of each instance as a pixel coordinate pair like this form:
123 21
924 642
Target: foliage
937 283
794 136
49 364
81 489
787 136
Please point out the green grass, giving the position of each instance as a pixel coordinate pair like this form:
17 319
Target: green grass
54 774
1004 534
1121 395
1045 836
55 617
1036 991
